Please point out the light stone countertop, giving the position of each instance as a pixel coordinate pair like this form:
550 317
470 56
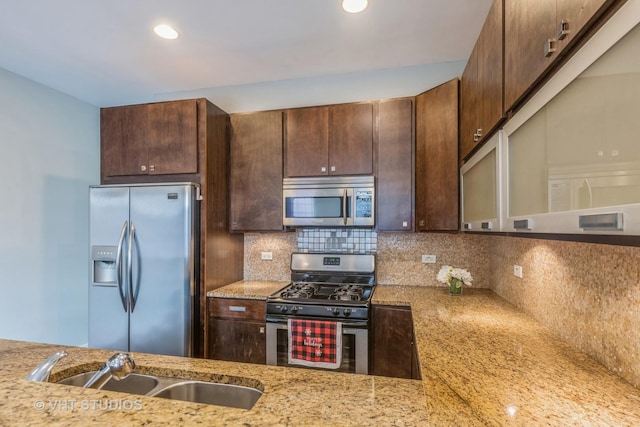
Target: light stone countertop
483 362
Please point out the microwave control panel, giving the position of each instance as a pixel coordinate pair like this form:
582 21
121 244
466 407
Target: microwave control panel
364 203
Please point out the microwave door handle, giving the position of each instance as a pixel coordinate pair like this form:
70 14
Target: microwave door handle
344 206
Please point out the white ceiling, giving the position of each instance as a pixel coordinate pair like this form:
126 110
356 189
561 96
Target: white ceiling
104 51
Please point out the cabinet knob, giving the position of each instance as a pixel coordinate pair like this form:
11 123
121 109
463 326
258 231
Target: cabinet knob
563 29
262 329
421 223
549 47
333 168
143 168
323 169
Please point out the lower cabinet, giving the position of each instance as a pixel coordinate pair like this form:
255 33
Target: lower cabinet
393 350
237 330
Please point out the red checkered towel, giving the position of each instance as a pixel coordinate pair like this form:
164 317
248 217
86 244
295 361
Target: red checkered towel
315 343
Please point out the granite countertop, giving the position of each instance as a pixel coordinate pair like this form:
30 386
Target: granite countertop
483 362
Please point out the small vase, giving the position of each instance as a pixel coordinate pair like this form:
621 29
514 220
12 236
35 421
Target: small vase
455 287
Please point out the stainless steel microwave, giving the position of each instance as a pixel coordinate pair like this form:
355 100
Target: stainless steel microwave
329 201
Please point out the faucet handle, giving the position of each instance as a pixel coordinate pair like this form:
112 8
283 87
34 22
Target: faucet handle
42 372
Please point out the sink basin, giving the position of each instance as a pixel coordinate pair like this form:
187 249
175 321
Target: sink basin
211 393
134 383
232 395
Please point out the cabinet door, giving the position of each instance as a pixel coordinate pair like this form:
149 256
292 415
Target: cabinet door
237 341
394 189
307 142
123 136
392 353
490 70
528 26
351 139
256 172
437 158
173 138
469 105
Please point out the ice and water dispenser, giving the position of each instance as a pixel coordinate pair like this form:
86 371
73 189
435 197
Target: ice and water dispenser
103 261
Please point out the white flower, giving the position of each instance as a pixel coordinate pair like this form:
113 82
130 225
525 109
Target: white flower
447 272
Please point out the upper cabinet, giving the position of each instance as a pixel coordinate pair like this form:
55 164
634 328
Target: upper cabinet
437 158
256 171
481 87
330 140
537 32
149 139
394 190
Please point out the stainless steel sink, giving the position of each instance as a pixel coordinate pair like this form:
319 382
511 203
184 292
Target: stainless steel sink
212 394
232 395
134 383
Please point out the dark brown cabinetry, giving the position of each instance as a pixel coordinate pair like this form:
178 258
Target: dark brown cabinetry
394 190
149 139
180 141
537 33
237 330
393 351
481 86
256 172
436 183
331 140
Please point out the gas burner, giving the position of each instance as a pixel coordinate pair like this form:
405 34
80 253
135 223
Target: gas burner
347 293
300 291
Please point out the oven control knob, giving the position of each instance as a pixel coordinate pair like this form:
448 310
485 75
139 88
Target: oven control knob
284 309
294 309
347 312
335 311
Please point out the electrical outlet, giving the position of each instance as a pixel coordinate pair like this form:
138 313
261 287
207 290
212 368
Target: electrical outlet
428 259
517 270
267 256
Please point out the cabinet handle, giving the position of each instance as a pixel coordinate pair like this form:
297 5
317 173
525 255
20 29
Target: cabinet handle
143 168
549 48
152 168
237 308
262 329
323 169
421 223
333 168
476 138
479 132
563 29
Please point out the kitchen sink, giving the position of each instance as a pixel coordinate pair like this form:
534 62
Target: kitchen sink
134 383
210 393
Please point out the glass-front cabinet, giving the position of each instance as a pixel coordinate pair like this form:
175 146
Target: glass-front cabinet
571 156
480 188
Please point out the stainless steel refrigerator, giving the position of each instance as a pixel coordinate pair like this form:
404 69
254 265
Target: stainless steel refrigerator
144 267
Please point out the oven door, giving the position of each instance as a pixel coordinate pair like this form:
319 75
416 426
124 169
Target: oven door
355 352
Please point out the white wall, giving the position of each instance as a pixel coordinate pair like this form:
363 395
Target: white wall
49 155
324 90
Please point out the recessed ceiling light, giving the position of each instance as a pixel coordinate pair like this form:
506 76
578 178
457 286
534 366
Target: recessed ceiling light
354 6
165 31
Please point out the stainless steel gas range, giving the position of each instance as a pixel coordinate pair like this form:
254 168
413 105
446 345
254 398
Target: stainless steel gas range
328 288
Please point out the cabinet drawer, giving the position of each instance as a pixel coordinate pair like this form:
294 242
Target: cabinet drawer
232 308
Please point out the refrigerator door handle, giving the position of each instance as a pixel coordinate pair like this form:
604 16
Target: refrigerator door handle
119 254
132 295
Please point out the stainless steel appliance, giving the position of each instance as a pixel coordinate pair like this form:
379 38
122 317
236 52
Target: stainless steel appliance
144 267
329 201
325 287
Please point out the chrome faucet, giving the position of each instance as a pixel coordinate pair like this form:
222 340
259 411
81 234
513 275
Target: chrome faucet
119 366
42 372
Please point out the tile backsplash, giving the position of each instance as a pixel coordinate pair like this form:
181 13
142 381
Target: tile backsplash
337 240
